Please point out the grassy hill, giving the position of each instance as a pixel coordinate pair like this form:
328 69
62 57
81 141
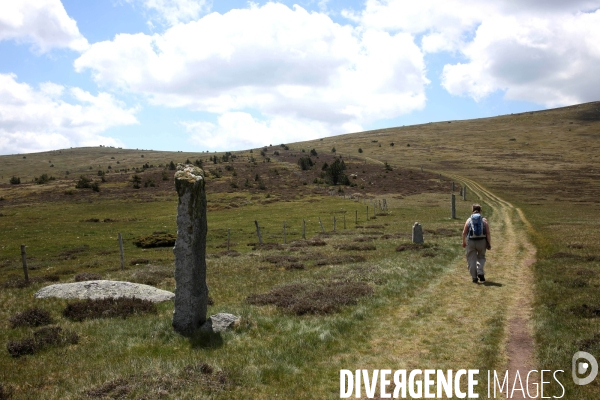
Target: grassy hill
407 307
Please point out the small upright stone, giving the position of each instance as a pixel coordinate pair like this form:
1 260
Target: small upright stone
191 291
417 233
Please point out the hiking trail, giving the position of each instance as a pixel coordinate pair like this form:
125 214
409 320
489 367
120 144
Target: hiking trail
453 323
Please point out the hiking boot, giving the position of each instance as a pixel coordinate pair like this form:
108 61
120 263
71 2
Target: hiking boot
481 278
475 280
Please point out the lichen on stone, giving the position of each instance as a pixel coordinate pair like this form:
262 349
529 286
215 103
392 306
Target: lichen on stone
189 173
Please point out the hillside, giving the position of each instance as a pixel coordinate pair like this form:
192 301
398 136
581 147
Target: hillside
355 294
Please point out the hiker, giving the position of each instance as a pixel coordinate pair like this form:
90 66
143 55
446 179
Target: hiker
477 231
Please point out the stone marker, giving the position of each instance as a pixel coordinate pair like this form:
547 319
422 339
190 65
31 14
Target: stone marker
417 233
191 292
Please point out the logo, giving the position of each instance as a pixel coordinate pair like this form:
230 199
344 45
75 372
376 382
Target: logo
582 367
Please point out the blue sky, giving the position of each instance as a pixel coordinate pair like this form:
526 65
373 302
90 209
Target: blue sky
203 76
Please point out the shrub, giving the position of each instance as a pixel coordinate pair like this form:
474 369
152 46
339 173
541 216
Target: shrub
360 150
165 176
83 182
107 308
95 187
136 179
32 317
305 163
313 152
15 180
44 178
392 144
388 167
172 166
149 183
335 173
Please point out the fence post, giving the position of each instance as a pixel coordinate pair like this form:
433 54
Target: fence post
228 238
24 258
321 223
304 229
334 223
355 217
258 232
453 206
122 252
284 234
344 221
367 213
465 193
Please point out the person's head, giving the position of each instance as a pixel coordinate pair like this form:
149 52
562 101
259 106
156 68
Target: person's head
476 209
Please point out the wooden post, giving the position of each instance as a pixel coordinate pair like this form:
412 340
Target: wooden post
465 193
375 211
258 232
228 238
284 234
344 221
452 187
304 229
122 252
321 223
334 223
453 206
356 217
367 213
24 258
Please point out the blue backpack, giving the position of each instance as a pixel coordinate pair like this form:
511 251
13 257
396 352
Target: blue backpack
477 227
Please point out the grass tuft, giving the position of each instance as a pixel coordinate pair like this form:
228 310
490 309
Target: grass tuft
87 276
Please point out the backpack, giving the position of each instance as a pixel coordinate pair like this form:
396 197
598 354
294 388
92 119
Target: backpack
477 227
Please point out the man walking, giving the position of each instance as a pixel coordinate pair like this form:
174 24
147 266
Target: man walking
476 239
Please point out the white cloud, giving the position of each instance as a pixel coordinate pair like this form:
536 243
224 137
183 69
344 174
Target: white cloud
37 120
240 130
43 23
278 62
172 12
541 51
550 61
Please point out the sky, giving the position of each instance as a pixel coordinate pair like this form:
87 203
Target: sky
202 75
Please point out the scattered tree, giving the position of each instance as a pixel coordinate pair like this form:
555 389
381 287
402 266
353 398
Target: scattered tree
15 180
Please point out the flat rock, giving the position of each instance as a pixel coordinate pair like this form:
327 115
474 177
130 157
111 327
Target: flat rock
102 289
219 322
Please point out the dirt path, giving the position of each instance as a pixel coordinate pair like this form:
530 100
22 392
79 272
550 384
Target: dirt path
453 323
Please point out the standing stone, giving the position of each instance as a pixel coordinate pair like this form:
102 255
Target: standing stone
191 292
417 233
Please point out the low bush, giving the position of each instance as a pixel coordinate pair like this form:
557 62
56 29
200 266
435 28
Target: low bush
108 308
32 317
308 298
48 336
156 240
